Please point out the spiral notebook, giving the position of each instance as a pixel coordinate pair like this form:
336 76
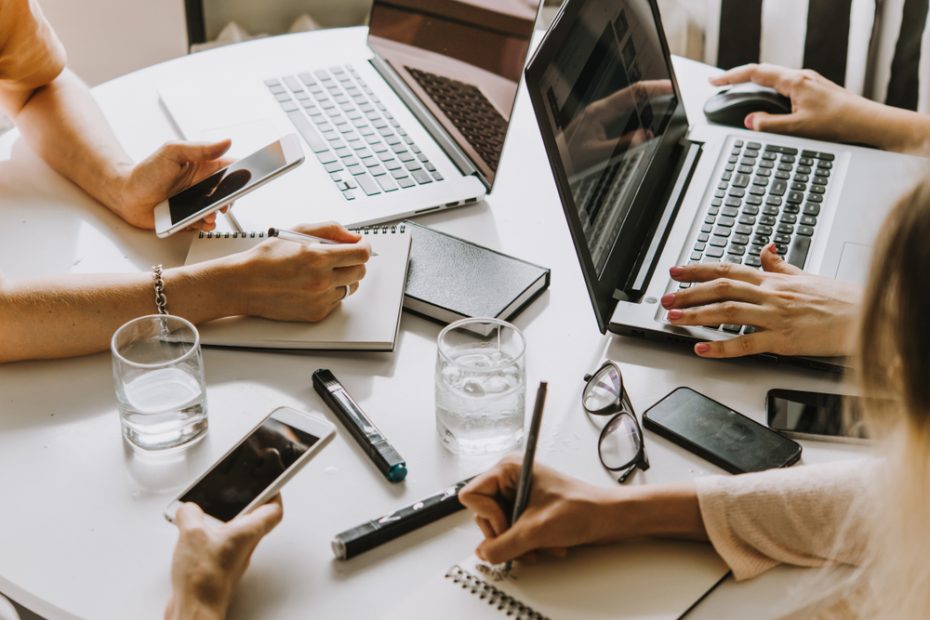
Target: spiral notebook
367 321
643 579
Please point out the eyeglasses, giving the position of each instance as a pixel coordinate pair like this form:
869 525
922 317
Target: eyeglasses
620 446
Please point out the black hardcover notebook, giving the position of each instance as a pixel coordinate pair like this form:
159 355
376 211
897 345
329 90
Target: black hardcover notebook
450 279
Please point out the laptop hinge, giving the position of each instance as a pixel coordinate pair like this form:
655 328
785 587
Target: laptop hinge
426 118
620 295
667 219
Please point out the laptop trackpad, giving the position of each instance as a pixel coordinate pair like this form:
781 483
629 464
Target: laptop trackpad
854 263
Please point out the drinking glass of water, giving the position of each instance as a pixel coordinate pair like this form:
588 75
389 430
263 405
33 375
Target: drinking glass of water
480 386
158 372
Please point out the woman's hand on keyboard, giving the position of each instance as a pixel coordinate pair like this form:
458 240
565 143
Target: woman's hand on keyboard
793 312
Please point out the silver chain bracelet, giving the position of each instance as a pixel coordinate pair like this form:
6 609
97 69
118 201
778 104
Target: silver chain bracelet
161 302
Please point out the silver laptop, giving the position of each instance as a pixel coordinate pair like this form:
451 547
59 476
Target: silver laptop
414 124
641 192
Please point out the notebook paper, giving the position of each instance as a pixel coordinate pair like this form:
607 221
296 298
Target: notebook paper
655 580
367 321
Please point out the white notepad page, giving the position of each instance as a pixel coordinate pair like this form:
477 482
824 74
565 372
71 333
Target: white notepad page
366 321
654 580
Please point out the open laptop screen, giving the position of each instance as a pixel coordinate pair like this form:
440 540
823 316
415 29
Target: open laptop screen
463 59
609 97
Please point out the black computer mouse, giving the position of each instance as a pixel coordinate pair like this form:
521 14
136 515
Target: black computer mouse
730 106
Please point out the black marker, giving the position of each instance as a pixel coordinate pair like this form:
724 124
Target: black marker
352 542
357 423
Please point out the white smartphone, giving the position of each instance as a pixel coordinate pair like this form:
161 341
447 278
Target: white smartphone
256 468
226 185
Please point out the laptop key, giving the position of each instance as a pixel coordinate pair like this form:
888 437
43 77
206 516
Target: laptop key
406 182
811 209
368 185
378 171
386 183
357 170
292 83
348 195
807 231
752 261
422 177
335 166
798 252
719 242
307 132
290 106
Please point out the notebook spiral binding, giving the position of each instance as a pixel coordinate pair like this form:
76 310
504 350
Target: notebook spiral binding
492 596
377 229
383 229
232 235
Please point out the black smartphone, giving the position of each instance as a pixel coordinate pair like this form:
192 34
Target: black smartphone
815 415
715 432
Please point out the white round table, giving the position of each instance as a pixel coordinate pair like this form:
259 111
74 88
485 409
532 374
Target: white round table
81 526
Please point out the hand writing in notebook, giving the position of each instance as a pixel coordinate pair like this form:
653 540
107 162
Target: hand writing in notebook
297 282
564 512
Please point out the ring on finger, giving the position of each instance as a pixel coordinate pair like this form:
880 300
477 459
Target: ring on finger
346 292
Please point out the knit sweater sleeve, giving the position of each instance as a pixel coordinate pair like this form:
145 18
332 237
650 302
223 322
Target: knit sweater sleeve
799 516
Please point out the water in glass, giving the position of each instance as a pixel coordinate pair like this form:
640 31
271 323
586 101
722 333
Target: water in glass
158 372
480 393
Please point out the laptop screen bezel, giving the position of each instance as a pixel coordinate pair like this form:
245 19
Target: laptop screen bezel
622 262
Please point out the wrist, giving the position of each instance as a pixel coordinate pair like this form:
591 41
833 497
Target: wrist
652 511
205 291
117 180
881 126
187 605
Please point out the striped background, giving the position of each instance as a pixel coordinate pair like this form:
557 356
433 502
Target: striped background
873 47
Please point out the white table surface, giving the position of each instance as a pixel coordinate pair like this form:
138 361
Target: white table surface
81 526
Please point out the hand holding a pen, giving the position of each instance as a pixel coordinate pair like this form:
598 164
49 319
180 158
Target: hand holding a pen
291 281
560 512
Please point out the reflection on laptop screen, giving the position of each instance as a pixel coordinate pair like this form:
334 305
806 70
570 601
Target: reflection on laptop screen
463 59
609 97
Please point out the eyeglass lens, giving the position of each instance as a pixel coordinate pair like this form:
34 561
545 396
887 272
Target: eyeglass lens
619 442
603 390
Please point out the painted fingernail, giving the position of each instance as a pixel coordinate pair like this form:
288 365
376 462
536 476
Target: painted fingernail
748 121
676 272
668 300
701 348
674 315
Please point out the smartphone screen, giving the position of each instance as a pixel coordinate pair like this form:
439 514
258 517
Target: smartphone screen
218 187
251 467
721 435
813 413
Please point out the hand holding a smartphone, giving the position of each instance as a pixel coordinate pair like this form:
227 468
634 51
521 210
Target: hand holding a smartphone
211 556
170 169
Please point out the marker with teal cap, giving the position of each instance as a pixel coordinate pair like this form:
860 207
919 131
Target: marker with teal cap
382 453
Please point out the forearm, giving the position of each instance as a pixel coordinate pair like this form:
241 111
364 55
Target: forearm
653 511
76 315
63 124
889 128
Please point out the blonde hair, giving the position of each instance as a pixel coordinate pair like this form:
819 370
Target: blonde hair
893 359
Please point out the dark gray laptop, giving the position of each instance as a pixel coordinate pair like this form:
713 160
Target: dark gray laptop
642 191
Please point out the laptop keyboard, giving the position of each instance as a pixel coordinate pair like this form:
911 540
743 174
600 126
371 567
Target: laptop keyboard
469 110
767 194
359 143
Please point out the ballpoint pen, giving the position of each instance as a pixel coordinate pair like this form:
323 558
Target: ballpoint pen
299 237
526 471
